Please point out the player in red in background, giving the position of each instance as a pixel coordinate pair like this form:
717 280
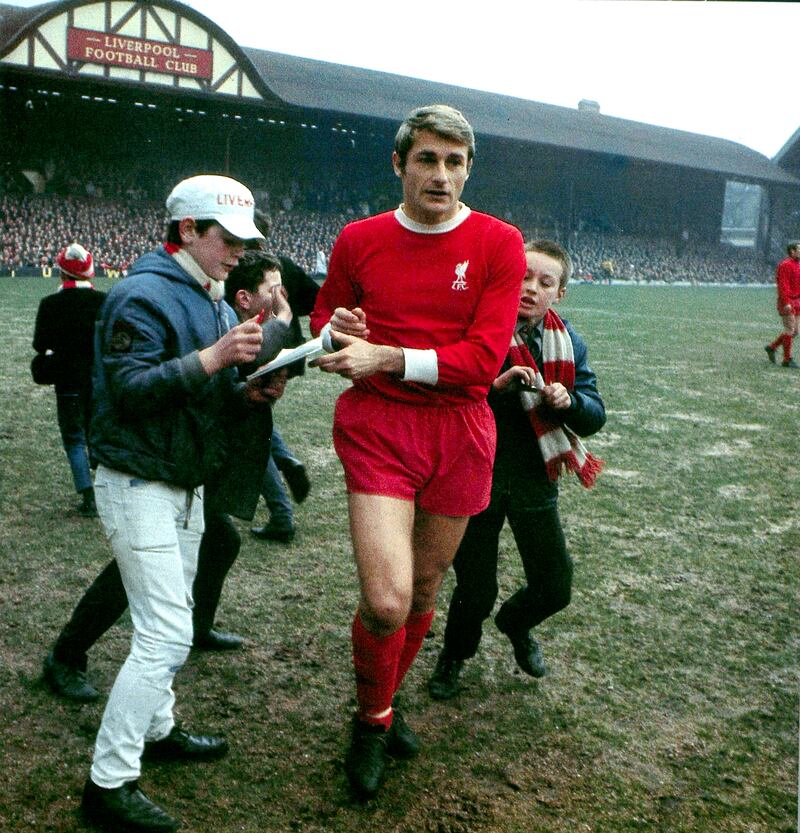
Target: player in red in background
421 302
787 280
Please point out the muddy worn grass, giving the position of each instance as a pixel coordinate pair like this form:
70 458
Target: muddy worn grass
672 699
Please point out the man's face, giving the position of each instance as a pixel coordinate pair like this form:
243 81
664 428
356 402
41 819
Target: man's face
434 176
216 251
794 254
264 296
247 304
541 286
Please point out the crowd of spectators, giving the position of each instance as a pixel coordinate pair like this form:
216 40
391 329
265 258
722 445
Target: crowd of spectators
116 209
34 227
118 222
602 257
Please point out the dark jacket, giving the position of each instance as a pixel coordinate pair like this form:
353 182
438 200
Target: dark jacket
302 291
235 488
157 415
519 467
65 325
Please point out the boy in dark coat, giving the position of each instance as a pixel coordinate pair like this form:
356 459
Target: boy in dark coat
64 332
544 398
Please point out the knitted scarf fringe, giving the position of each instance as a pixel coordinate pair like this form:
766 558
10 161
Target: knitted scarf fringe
562 449
586 473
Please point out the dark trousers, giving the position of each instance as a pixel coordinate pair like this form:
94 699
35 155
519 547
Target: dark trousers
547 565
219 547
105 600
74 408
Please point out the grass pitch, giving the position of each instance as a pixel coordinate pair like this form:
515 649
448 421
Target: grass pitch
672 699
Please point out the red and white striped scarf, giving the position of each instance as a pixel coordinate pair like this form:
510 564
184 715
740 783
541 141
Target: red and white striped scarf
561 447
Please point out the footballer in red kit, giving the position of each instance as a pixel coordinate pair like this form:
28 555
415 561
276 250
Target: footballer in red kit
420 304
787 282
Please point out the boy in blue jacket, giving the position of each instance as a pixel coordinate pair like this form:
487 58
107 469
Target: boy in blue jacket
544 399
168 406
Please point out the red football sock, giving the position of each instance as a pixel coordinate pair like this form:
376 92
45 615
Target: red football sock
417 625
375 661
787 347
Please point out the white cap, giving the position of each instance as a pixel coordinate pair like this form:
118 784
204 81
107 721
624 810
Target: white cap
220 198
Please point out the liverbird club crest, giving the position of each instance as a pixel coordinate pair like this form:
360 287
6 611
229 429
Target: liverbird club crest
461 276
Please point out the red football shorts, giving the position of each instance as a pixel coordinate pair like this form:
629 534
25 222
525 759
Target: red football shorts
439 457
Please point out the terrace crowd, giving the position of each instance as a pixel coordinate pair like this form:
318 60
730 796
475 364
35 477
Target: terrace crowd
118 229
600 256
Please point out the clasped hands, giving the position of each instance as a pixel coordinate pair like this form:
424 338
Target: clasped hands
355 357
554 395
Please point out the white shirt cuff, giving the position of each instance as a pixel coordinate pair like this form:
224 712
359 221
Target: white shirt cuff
421 366
325 335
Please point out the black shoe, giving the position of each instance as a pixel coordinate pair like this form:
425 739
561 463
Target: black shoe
790 363
365 763
527 652
125 809
68 681
87 508
213 640
443 683
401 741
181 746
770 353
297 478
269 532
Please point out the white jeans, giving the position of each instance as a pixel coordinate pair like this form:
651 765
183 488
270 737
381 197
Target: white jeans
154 529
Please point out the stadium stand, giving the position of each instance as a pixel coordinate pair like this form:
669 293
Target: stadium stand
91 148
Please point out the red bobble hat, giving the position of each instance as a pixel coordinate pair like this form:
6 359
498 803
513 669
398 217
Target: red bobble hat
75 262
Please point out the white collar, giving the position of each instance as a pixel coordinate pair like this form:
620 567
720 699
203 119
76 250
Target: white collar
421 228
214 288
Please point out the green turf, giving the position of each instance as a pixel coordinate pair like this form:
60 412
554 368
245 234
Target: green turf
672 699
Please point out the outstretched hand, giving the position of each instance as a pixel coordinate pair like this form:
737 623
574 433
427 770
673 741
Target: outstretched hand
239 345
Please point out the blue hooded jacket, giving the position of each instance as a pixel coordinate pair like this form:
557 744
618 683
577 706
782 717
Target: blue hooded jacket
157 414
